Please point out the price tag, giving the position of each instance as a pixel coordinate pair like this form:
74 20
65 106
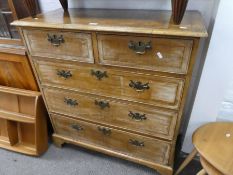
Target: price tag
159 54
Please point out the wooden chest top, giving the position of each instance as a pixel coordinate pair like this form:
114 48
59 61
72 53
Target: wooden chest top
128 21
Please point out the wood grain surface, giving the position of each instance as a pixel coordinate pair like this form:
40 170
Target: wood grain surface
129 21
119 141
165 54
75 46
162 92
15 71
156 122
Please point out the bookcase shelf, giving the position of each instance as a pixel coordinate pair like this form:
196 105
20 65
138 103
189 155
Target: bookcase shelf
23 126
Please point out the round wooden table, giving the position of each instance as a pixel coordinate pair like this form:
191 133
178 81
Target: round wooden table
207 168
214 143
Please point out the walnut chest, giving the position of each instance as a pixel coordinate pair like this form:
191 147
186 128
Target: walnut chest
115 81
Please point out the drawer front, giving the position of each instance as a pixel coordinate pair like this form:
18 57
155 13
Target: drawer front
123 142
76 130
60 45
151 53
153 90
147 120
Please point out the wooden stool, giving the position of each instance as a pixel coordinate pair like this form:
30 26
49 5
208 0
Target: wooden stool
214 143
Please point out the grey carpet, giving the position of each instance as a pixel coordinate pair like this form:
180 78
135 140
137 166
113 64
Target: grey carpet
70 160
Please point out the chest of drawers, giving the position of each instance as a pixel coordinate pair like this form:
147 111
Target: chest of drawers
115 81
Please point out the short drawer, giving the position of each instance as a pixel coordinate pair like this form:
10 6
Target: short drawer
60 45
129 116
148 89
133 145
150 53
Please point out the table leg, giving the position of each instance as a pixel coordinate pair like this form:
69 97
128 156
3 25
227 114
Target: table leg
202 172
187 161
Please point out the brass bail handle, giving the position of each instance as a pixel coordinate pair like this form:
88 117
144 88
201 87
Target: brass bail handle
136 143
105 131
102 104
99 74
139 86
140 47
56 40
70 102
137 116
64 74
77 127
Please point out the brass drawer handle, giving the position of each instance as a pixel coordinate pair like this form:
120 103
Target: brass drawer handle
136 143
140 47
105 131
102 104
70 102
139 86
56 40
99 74
64 74
77 127
137 116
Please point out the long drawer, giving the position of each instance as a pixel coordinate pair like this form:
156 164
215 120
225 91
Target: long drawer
151 53
60 45
148 89
146 120
123 142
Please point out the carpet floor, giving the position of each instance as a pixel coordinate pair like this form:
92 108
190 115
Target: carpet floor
70 160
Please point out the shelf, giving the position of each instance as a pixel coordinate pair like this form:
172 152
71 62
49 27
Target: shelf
22 92
21 148
13 116
23 126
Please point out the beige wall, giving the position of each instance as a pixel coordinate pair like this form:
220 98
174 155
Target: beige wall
204 6
216 84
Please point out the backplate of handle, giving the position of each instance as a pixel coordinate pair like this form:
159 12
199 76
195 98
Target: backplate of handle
56 40
139 86
70 102
105 131
102 104
140 47
137 116
64 74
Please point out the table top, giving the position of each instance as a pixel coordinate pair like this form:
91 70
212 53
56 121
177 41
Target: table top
214 142
109 20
